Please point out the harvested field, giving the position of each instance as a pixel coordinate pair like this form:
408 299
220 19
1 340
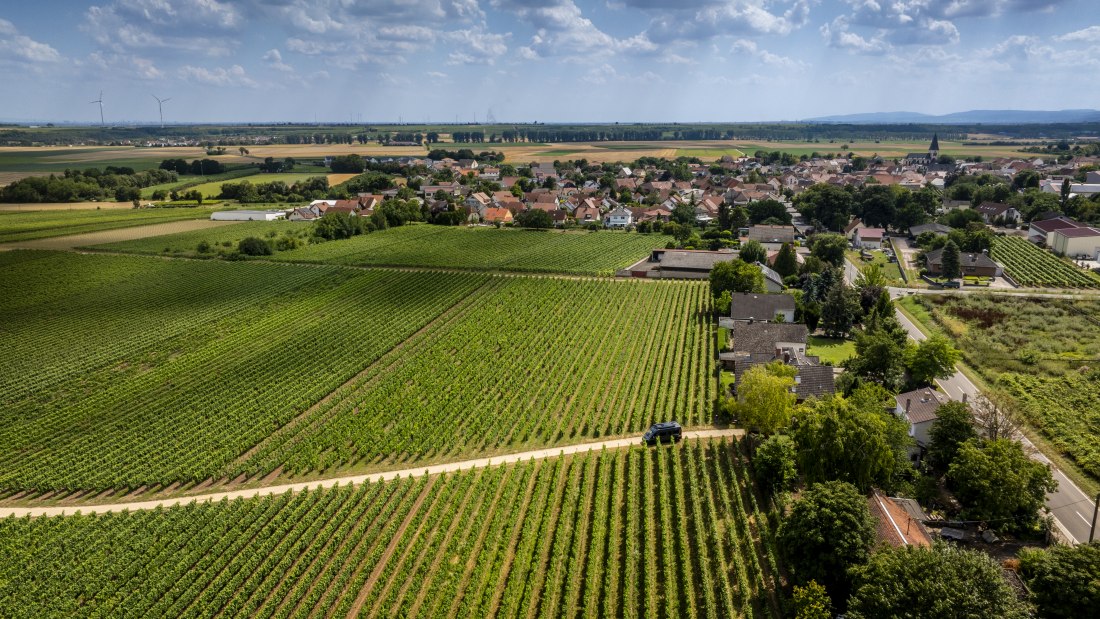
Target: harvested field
65 243
64 206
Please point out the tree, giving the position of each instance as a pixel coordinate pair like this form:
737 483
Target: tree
736 276
347 164
253 246
940 581
828 531
683 214
997 482
950 260
850 439
1064 580
994 417
811 602
786 263
880 358
763 210
764 398
774 463
877 205
535 218
827 205
952 427
829 248
753 252
840 310
932 358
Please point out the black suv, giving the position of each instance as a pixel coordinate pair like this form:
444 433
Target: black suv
666 432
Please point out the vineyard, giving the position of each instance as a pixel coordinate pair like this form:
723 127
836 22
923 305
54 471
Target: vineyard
29 225
587 253
1034 267
123 372
521 363
666 532
227 237
1041 352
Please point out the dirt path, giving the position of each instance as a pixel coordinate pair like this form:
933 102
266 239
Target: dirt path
61 206
353 479
68 243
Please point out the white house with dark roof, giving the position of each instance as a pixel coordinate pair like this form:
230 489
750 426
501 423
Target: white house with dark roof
762 307
621 217
918 408
1074 242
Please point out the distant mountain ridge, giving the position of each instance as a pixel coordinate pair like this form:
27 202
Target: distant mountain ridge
991 117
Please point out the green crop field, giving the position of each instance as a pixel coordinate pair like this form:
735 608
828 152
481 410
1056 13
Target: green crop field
122 371
1043 353
423 245
470 383
186 243
709 153
28 225
665 532
1034 267
486 249
214 189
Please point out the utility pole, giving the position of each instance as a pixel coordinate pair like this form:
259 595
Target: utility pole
1095 507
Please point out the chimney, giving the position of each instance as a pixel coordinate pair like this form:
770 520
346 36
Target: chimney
964 398
778 353
908 402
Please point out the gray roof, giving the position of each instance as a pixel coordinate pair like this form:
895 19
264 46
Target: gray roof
761 337
815 381
933 227
760 306
772 234
921 404
965 259
693 260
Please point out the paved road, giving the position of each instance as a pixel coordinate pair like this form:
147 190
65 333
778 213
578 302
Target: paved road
353 479
1071 507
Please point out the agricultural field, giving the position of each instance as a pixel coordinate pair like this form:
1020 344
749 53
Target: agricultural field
124 371
708 154
664 532
186 243
1038 268
423 245
214 189
469 383
486 248
1043 353
28 225
887 148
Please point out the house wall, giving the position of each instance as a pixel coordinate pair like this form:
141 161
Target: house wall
1076 246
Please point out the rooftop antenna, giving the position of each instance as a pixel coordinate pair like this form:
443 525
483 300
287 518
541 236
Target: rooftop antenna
160 107
100 102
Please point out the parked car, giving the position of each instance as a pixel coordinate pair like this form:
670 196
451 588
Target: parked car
667 432
952 284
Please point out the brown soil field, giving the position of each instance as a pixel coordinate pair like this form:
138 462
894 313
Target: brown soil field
336 179
11 177
65 243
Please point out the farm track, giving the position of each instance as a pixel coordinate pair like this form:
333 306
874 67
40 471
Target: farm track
449 467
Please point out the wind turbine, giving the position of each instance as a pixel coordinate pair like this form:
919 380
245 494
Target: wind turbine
160 106
100 102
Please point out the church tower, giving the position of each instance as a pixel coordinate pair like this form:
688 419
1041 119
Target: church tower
934 148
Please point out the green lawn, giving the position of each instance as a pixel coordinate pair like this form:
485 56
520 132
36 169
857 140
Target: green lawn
831 350
890 269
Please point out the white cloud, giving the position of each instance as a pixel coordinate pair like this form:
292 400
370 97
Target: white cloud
704 20
837 35
475 46
125 65
274 59
21 48
218 76
1090 34
750 48
122 26
562 30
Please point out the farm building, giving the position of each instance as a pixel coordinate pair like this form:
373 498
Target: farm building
976 265
1074 242
937 229
1043 231
247 215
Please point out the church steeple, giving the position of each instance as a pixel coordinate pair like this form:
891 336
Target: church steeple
934 148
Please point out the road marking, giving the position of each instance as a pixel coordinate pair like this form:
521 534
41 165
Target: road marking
1087 521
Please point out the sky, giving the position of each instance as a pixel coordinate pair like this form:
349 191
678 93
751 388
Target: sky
549 61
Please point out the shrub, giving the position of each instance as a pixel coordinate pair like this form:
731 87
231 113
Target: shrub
253 246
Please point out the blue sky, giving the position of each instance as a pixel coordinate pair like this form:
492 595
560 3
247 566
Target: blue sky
555 60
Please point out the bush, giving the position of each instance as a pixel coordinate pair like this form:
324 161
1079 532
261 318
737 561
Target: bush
253 246
203 247
286 243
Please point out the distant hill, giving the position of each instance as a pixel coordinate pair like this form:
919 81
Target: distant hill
991 117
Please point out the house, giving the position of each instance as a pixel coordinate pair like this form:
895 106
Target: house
685 263
478 202
490 174
1075 242
302 214
620 218
497 215
867 238
772 237
587 214
970 264
762 307
773 282
899 522
1042 231
993 211
754 343
925 159
918 408
937 229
